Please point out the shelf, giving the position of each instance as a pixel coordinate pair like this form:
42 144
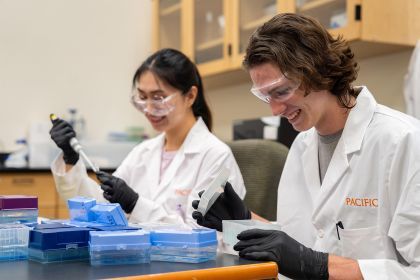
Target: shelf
210 44
255 23
315 4
171 9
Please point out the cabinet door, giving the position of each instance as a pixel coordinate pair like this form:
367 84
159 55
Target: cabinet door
340 17
167 17
40 185
212 46
248 15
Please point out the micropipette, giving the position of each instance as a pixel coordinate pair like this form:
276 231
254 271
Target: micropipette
74 143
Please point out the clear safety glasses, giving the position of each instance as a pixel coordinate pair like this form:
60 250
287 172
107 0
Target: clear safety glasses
157 106
277 91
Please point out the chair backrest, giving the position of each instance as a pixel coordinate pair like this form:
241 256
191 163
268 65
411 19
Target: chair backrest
261 163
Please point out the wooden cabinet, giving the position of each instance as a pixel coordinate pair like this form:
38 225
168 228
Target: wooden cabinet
372 27
40 184
214 33
37 184
168 27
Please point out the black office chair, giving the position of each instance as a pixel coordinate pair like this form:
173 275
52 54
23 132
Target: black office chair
261 163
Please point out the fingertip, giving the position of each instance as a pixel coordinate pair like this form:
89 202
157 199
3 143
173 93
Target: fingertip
197 215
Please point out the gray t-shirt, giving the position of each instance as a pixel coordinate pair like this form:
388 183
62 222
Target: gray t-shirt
326 147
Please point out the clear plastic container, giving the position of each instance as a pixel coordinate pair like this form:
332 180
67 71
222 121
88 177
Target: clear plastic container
11 216
181 245
119 247
13 242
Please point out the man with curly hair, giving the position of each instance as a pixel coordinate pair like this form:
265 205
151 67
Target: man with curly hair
349 195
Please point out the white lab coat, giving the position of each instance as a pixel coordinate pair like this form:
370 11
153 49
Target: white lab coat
376 162
194 166
412 84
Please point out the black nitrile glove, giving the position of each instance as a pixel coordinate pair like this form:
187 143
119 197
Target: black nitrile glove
293 259
228 206
117 191
61 133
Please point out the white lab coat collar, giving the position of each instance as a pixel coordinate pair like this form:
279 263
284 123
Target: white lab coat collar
350 141
186 147
356 124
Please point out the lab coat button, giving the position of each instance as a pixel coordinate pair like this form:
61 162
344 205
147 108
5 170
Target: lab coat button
320 233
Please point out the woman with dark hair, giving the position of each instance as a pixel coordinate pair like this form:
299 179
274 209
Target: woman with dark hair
161 176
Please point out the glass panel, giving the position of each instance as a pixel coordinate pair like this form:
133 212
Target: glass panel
331 13
253 14
170 24
209 22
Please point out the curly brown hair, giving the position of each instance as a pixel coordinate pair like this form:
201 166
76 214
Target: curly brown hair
304 50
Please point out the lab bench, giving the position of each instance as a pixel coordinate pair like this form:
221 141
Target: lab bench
224 267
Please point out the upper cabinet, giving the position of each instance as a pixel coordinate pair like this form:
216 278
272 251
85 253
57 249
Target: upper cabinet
371 27
215 33
211 38
169 23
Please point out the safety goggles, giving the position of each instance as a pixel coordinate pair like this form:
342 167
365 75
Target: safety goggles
158 106
277 91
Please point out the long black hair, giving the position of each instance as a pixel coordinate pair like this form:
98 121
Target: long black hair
176 69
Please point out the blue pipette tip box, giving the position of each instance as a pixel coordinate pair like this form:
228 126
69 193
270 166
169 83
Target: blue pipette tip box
183 245
109 214
58 243
119 247
13 242
79 208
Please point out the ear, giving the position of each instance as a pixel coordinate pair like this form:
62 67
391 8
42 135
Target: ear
191 95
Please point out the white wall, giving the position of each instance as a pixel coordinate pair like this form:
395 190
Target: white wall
57 54
384 76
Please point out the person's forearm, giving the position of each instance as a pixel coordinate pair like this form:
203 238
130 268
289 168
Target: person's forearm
259 218
340 268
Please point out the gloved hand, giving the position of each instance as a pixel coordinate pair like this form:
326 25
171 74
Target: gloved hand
117 191
228 206
61 133
293 259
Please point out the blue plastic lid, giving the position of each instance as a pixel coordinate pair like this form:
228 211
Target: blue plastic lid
109 214
133 237
184 237
79 207
111 228
58 237
51 226
92 225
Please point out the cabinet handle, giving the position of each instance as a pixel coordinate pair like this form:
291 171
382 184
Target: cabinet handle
23 181
358 12
229 49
